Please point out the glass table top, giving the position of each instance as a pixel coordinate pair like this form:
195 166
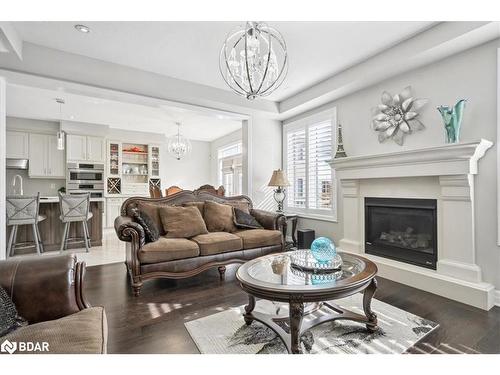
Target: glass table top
276 271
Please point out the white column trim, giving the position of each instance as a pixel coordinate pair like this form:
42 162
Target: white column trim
352 209
498 149
247 144
3 115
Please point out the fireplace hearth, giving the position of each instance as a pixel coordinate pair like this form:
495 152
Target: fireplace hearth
403 229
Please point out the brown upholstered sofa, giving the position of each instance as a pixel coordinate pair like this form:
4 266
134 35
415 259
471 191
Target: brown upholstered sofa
48 293
176 258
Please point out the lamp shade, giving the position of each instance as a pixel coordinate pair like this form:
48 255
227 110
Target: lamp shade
278 179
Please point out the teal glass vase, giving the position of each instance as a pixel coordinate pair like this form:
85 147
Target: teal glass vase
452 118
323 249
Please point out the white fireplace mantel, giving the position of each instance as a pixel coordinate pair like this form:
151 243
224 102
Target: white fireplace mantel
453 167
451 159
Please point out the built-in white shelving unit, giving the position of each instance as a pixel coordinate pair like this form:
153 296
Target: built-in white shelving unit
131 168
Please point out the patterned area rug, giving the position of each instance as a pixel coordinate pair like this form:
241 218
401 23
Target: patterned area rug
227 333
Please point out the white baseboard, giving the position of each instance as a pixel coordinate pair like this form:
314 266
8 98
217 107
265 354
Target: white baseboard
478 294
497 298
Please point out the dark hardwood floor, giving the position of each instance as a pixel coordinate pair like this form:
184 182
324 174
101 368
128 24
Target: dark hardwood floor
154 322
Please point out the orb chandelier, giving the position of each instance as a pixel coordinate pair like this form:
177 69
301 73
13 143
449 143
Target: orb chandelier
178 145
253 60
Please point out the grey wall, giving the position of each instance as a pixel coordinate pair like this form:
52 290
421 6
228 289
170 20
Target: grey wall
265 154
472 75
190 172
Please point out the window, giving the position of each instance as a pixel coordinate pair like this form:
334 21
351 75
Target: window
309 145
230 168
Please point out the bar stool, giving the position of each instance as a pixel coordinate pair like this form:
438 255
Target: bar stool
75 208
23 210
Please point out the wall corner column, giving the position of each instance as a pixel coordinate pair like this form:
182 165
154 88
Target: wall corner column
351 207
456 250
3 116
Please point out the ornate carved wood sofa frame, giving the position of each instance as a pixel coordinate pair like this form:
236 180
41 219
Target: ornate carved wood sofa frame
133 234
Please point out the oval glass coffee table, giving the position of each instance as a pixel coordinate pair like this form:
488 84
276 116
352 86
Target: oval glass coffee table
309 295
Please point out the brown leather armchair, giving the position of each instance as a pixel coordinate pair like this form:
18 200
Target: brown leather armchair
44 288
47 290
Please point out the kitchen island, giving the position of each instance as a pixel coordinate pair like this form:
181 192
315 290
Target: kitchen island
51 229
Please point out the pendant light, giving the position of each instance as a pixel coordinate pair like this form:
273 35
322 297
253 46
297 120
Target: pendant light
253 60
60 133
178 145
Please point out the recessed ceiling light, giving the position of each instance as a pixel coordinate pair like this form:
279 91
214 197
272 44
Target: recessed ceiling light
83 29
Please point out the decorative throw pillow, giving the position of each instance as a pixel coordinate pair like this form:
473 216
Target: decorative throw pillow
245 220
242 205
9 318
199 205
182 222
150 229
153 211
219 217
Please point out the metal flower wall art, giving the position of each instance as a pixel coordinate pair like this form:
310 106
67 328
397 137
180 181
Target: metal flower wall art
397 116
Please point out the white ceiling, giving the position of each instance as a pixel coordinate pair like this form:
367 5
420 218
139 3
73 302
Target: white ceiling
190 50
35 103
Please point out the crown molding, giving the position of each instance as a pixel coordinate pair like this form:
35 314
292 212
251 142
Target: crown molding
10 39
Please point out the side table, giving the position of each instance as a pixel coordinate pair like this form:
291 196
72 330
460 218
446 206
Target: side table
293 218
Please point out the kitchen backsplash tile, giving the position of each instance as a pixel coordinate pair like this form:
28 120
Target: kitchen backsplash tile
31 186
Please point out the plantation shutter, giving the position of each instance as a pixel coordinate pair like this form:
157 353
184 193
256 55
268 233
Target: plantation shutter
296 168
309 148
319 171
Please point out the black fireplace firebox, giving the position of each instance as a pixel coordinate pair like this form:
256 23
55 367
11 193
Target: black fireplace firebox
403 229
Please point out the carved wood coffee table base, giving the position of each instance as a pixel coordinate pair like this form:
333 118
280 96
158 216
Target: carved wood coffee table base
291 328
305 300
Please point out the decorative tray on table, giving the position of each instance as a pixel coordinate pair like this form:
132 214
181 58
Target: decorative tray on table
303 260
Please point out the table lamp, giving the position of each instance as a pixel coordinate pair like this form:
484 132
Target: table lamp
279 180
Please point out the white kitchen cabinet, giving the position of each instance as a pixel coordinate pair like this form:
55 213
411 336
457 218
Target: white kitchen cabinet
113 206
45 160
56 163
76 146
85 148
96 149
38 155
17 145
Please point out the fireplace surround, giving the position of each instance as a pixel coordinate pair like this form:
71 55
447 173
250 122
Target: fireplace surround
445 174
403 229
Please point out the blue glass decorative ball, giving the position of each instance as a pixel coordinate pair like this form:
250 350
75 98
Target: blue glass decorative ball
323 249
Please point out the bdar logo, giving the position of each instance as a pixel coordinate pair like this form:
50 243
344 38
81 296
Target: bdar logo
9 347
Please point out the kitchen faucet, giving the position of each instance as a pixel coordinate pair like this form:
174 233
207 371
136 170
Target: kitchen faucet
14 184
